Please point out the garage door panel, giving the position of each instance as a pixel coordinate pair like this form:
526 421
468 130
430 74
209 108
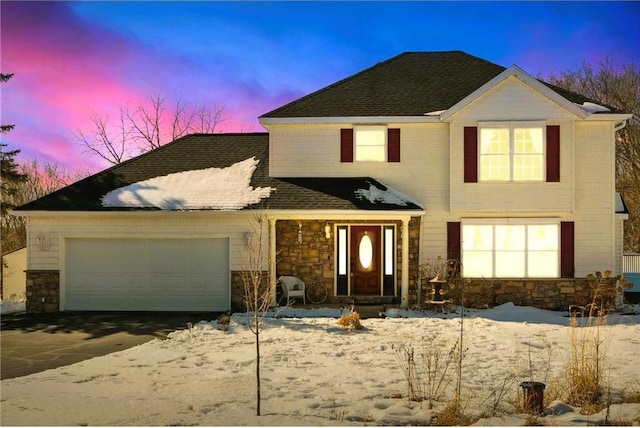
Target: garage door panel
147 274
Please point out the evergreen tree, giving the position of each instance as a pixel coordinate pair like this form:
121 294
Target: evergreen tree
10 181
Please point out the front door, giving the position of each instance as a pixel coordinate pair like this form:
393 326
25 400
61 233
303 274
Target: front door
366 260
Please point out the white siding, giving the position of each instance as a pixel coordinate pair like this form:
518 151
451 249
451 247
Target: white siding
594 197
314 151
536 197
53 229
14 278
305 151
512 99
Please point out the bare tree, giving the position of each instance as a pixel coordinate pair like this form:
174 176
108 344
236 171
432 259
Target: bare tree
145 125
45 178
109 142
617 87
39 180
258 291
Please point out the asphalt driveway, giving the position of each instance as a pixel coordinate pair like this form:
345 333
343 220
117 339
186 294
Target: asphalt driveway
36 342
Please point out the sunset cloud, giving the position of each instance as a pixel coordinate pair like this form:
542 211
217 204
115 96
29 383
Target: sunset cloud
73 58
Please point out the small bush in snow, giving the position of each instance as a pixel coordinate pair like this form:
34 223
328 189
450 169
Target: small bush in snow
350 321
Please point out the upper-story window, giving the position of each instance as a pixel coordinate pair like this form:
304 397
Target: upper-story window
512 151
371 143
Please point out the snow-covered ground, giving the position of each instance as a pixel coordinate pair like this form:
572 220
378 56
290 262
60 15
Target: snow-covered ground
316 373
12 306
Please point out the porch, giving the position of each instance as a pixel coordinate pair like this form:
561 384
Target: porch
369 261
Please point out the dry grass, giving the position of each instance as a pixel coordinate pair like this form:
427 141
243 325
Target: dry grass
452 415
350 321
584 372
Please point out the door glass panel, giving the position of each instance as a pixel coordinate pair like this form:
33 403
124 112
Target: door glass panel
365 251
342 251
388 251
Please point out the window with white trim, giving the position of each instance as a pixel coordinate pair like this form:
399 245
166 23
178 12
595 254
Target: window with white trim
512 152
370 143
527 250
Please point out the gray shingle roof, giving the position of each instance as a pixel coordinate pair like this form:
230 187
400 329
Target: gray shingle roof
410 84
200 151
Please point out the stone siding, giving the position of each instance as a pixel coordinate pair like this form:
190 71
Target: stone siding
552 294
43 291
313 261
237 290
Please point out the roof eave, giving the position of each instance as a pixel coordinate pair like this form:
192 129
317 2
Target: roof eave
322 214
617 117
267 121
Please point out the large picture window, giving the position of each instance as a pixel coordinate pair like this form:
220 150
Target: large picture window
512 152
511 250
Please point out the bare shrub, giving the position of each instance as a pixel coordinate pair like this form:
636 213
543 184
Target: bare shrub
584 374
350 321
428 370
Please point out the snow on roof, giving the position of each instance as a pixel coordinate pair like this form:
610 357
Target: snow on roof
224 189
621 207
435 113
593 108
387 196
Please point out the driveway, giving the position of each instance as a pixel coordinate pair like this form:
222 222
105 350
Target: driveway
36 342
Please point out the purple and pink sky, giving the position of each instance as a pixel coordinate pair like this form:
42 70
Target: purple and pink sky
73 58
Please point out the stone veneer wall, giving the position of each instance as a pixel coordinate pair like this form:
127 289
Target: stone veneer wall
553 294
43 291
237 290
314 260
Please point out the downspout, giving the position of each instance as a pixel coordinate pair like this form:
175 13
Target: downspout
404 294
619 126
272 260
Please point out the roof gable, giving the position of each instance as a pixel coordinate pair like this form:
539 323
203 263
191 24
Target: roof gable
524 77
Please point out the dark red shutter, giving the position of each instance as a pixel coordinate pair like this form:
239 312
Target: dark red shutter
470 154
553 153
453 240
346 145
567 262
393 145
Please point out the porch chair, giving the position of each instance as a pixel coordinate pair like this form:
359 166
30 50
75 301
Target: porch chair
292 287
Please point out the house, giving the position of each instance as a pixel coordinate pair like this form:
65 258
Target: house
425 155
13 266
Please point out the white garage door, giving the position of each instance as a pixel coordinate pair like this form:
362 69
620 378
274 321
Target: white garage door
147 274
